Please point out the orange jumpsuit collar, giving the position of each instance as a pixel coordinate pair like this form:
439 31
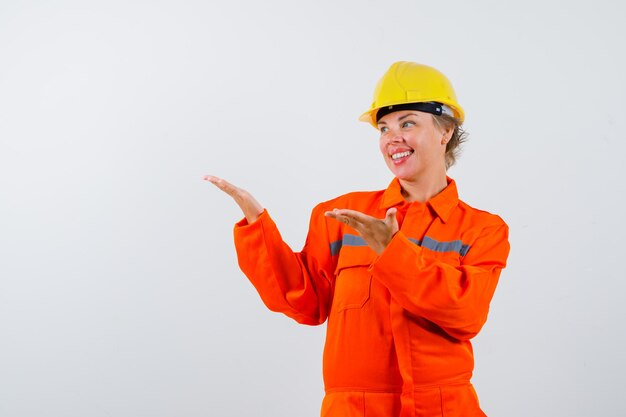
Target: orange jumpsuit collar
443 203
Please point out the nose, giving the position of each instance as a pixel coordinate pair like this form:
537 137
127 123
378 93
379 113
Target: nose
394 136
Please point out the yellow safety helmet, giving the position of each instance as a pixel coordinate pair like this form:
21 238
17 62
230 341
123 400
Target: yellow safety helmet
407 83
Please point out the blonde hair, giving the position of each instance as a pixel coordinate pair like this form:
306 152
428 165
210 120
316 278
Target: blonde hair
459 136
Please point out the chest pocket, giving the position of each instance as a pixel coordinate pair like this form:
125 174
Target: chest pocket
353 280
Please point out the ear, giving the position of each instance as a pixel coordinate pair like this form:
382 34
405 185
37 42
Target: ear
447 135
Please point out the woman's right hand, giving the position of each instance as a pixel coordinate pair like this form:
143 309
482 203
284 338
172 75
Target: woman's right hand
248 204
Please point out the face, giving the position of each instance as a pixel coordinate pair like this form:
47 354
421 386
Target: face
412 144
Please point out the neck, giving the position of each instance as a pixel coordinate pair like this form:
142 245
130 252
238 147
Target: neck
423 188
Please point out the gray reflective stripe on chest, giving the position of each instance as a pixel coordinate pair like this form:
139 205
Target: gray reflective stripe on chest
428 243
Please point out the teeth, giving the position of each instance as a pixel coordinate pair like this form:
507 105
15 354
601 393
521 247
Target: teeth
401 155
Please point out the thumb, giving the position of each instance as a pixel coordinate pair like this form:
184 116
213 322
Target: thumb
390 219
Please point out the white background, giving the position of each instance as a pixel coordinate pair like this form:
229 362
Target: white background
120 293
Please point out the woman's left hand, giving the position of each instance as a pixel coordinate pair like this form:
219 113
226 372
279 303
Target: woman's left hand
377 233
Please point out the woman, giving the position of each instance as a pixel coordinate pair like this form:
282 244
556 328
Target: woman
404 276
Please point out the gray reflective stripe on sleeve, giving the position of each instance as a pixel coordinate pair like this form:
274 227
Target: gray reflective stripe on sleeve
417 242
347 240
436 246
335 247
353 240
451 246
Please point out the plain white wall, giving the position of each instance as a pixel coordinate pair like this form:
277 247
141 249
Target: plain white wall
119 289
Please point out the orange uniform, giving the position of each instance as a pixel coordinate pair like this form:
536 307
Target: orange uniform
399 324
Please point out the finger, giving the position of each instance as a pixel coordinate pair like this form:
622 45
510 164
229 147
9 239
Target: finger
343 219
223 185
356 216
212 179
336 216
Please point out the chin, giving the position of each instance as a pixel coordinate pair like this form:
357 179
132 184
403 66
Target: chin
403 173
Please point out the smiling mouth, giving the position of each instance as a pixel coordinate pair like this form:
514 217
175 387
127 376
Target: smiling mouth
399 155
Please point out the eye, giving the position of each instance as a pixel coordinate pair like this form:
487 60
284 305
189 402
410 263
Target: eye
384 129
408 123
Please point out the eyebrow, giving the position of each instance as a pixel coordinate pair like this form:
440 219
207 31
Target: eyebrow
407 115
399 119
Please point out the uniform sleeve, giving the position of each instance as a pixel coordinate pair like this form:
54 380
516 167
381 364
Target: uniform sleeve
298 284
455 297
